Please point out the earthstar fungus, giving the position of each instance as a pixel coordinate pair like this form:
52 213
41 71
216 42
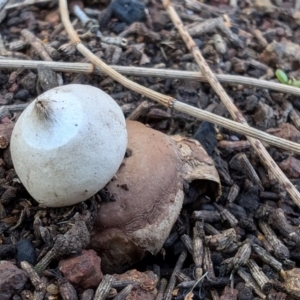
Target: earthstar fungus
147 195
68 143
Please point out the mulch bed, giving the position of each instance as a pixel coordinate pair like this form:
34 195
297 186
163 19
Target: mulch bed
252 234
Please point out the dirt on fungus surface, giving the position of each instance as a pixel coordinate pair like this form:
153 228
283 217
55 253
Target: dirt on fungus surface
251 234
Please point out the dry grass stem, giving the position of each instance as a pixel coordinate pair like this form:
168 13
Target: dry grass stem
237 127
264 156
146 72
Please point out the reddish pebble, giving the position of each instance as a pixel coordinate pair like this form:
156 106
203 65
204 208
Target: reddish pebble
83 270
12 279
291 167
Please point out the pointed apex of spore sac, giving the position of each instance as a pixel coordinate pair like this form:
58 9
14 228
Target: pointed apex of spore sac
44 110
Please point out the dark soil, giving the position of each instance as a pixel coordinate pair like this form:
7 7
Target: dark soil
245 47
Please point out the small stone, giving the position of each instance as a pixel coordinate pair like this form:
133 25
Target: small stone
55 44
264 116
2 163
12 279
13 21
22 95
291 167
199 42
280 31
118 27
239 66
128 11
28 82
84 270
286 131
9 97
15 29
25 252
52 17
9 195
251 103
3 101
3 78
6 119
13 88
159 20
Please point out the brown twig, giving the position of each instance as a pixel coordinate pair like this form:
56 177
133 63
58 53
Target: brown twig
172 281
139 111
264 156
36 44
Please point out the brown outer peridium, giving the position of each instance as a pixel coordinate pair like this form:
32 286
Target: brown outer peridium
148 198
148 195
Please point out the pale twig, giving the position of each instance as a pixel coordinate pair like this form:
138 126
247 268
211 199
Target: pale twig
263 154
146 72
